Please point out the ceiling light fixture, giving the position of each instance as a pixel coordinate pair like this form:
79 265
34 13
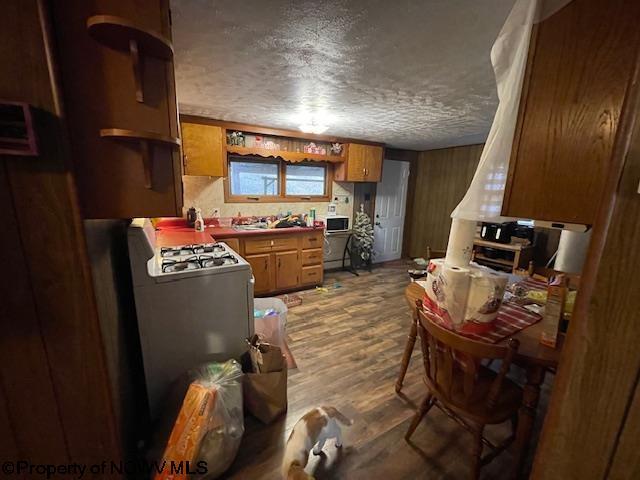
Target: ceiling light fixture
313 128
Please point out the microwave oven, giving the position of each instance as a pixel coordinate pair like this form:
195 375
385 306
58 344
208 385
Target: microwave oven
337 223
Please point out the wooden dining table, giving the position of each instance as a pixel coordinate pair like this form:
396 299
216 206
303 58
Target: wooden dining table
532 356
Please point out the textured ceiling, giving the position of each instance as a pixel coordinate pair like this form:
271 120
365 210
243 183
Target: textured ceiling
413 74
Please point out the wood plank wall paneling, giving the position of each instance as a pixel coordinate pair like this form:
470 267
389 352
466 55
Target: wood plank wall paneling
440 179
23 358
55 382
364 194
592 424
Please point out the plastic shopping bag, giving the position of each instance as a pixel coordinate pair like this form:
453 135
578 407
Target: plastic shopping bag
209 426
270 322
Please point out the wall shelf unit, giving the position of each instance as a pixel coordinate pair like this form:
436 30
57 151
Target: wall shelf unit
146 141
518 255
124 35
284 154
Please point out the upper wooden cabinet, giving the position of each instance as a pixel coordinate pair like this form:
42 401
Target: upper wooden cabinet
202 149
116 69
580 65
363 164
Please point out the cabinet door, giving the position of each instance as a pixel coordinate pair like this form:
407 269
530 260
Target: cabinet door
373 166
261 268
576 82
202 149
357 163
363 164
287 270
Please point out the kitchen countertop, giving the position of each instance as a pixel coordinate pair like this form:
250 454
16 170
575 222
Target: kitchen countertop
220 233
173 235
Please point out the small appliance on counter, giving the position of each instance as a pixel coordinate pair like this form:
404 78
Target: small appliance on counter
497 232
337 223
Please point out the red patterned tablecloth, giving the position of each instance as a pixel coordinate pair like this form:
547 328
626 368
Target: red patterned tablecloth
511 319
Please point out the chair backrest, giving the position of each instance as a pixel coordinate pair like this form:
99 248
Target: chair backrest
452 356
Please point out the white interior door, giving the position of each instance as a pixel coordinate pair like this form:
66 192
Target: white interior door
391 202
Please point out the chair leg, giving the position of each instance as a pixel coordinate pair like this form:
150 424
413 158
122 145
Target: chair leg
426 405
476 453
406 356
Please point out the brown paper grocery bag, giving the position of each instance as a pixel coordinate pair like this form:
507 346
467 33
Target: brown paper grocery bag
269 360
265 394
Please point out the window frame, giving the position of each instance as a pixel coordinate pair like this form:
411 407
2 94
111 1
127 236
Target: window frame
282 172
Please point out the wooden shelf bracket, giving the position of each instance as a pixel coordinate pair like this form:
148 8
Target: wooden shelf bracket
121 34
146 141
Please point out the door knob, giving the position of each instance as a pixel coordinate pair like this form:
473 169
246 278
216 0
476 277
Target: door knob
378 223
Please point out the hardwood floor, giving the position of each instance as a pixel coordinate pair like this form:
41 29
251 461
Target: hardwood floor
348 344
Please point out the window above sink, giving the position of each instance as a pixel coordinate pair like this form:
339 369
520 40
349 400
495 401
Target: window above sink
257 179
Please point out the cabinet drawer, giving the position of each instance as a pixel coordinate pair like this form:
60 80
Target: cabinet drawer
311 275
257 245
312 257
312 240
279 244
273 244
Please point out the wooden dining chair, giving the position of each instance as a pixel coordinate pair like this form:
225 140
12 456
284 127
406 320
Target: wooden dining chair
466 390
413 329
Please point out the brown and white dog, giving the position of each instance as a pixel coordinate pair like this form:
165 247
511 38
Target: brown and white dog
311 431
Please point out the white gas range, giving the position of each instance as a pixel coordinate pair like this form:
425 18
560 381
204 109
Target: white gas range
194 304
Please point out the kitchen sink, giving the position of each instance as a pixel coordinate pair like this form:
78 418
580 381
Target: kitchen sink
258 226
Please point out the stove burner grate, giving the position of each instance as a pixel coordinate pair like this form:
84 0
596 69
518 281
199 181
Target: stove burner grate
170 265
191 249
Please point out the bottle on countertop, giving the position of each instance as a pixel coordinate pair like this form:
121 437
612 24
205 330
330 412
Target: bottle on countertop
199 223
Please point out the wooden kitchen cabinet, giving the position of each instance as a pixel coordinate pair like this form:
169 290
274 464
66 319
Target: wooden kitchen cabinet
287 270
120 110
580 65
233 243
202 149
311 257
284 261
262 271
363 164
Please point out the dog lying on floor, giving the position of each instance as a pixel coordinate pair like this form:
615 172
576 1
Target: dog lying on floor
311 432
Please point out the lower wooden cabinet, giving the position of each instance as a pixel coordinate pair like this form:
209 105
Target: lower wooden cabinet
233 243
282 262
